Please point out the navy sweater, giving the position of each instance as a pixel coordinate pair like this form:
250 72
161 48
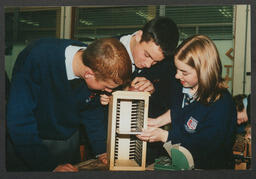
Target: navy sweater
43 105
208 132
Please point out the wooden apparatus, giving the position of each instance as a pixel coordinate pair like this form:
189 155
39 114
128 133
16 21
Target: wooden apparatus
127 115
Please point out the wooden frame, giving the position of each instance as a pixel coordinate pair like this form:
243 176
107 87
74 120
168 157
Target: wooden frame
128 112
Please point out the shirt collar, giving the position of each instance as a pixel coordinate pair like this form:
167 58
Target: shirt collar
69 55
125 40
245 102
187 91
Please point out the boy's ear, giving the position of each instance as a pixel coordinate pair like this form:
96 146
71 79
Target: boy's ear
138 35
88 74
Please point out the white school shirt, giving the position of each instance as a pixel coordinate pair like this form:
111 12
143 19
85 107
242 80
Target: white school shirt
70 52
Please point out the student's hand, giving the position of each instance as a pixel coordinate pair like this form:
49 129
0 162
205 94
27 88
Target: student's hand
153 134
142 84
104 99
103 158
242 117
65 168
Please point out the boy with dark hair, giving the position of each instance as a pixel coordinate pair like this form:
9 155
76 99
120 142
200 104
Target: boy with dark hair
51 96
163 32
151 53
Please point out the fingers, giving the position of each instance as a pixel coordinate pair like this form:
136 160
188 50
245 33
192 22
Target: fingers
152 139
104 99
108 90
147 87
147 138
103 158
136 80
242 117
104 161
145 135
104 155
142 84
65 168
153 134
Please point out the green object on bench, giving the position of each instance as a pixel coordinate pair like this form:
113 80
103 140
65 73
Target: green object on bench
180 159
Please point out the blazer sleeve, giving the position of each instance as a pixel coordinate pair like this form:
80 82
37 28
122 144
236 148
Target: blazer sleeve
96 128
21 121
162 75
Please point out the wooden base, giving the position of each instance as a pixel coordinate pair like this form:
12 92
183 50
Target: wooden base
126 165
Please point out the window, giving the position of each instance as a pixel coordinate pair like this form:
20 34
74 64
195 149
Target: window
97 22
24 24
214 21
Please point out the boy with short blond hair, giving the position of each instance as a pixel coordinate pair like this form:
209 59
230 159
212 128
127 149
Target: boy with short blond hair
51 96
107 61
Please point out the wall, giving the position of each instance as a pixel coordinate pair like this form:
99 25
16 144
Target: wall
10 59
242 56
223 46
